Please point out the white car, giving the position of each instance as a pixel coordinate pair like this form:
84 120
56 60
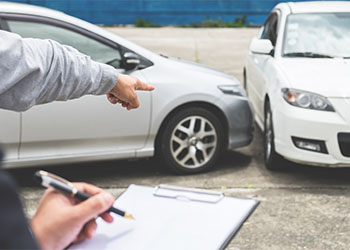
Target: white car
194 114
297 76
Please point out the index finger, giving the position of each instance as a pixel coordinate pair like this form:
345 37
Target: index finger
144 86
93 190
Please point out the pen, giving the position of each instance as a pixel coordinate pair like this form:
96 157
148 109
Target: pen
50 180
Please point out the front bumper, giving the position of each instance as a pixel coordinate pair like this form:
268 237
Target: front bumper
239 116
323 126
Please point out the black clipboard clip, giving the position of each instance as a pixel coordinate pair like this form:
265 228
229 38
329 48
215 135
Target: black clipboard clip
187 194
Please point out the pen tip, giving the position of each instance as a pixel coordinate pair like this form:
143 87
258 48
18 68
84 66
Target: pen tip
129 216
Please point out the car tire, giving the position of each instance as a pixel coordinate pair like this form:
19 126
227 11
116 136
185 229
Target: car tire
245 82
273 161
191 141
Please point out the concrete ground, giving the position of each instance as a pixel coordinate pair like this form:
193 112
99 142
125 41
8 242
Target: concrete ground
301 207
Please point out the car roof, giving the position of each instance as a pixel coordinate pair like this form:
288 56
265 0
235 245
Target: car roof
316 6
9 7
27 9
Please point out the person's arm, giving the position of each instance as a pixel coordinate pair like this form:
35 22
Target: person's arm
35 71
14 229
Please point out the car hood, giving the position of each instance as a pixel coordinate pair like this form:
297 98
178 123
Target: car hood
327 77
188 65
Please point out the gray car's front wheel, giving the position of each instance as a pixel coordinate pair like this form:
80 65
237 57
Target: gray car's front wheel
192 140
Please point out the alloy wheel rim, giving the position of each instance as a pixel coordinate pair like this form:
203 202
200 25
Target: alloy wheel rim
268 136
193 142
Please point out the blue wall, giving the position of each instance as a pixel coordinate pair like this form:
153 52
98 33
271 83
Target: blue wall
163 12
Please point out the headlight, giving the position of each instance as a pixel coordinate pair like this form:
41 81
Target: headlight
307 100
232 89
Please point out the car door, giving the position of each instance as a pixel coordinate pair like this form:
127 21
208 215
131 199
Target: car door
88 125
10 133
257 66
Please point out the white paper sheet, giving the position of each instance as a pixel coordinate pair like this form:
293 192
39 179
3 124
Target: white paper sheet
166 223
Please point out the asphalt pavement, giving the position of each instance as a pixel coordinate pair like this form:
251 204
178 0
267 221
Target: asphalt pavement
302 207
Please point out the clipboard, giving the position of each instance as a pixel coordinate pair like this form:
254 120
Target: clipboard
170 217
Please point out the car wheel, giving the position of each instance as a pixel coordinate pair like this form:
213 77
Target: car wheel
273 161
245 82
191 140
244 79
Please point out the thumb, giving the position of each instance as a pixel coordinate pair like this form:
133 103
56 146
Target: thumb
94 206
134 103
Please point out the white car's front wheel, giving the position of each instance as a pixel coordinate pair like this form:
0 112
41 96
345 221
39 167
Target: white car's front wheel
273 161
192 140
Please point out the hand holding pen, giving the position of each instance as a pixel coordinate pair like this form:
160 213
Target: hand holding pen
58 183
61 220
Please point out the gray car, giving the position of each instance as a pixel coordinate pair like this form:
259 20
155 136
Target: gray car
193 115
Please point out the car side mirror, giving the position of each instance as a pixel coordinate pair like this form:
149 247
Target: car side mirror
130 61
261 46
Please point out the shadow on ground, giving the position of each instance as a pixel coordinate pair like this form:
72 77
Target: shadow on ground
142 168
153 170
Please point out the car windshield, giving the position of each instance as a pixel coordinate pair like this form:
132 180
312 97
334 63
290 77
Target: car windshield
317 35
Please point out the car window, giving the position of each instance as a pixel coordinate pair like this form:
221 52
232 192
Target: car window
96 50
270 29
317 35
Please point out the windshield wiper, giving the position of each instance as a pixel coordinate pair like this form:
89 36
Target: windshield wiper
307 54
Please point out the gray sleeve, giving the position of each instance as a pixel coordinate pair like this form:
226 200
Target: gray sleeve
34 71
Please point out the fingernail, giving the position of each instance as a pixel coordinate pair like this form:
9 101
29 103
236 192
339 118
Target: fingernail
92 232
108 198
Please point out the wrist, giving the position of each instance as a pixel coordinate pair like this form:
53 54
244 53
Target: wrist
37 233
109 79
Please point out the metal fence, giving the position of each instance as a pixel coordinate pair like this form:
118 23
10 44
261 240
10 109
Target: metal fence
161 12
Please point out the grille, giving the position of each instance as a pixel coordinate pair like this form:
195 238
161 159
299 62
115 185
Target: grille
344 143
